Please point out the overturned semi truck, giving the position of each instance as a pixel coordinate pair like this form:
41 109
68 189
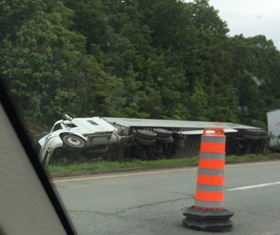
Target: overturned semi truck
117 139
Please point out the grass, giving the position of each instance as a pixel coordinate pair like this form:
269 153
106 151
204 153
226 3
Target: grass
107 166
252 158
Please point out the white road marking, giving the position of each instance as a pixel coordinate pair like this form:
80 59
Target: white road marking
253 186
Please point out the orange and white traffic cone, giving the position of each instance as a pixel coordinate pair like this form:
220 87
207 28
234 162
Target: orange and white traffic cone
208 212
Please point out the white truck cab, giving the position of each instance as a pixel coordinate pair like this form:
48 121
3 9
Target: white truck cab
76 135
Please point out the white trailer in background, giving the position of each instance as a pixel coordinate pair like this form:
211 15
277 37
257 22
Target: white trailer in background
273 121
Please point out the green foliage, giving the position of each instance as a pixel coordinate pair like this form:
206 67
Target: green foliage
134 58
255 64
103 166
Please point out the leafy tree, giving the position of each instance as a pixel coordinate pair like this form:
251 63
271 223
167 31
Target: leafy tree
46 67
137 58
255 66
30 60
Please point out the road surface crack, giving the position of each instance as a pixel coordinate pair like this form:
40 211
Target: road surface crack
153 204
117 213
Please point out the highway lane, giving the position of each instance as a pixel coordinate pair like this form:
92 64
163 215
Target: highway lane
150 202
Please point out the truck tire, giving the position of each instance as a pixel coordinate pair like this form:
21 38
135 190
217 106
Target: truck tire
165 140
145 142
251 134
162 133
263 135
73 142
145 134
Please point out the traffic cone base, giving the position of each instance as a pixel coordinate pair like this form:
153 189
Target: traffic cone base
205 220
208 226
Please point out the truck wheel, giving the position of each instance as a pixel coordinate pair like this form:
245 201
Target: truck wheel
162 133
165 140
73 142
263 135
145 134
251 134
145 142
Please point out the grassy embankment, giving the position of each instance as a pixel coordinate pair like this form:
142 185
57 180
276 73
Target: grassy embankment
106 166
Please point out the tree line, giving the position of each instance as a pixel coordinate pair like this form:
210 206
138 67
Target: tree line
164 59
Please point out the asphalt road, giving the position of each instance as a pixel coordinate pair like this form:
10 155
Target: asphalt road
150 202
